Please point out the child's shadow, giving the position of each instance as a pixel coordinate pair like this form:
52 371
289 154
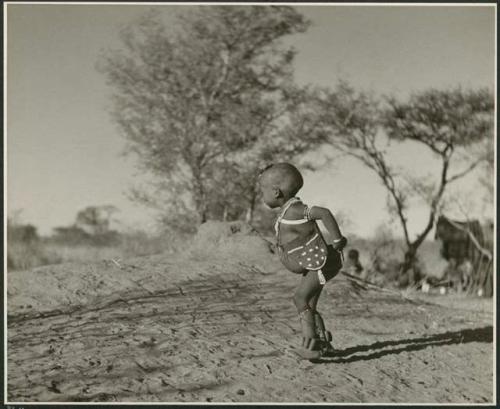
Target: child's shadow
379 349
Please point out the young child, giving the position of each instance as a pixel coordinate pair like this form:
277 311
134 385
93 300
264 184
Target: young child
302 250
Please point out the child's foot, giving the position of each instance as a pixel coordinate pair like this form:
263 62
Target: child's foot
324 336
310 348
327 349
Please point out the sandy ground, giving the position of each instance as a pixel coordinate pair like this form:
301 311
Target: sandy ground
217 324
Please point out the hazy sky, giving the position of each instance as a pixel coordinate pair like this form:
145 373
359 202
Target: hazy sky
63 151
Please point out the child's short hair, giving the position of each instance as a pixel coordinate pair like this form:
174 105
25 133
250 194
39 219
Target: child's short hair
286 176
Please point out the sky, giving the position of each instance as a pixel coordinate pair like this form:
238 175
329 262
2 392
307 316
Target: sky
64 152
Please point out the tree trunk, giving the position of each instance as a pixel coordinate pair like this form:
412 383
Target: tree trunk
409 270
200 199
203 216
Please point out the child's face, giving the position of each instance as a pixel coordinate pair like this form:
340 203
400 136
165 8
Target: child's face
270 193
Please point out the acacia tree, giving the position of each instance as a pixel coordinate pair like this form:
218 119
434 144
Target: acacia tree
448 122
194 102
95 220
445 121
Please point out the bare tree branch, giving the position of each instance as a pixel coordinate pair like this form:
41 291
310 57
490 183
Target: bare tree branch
464 172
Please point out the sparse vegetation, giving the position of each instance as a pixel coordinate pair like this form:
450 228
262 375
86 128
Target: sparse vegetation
23 256
27 249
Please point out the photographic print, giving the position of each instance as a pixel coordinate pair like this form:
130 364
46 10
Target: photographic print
284 203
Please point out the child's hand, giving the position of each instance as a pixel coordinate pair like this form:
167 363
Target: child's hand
339 244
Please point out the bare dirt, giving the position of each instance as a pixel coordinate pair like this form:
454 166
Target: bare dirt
217 324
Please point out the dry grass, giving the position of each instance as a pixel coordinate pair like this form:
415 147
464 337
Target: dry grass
24 256
84 252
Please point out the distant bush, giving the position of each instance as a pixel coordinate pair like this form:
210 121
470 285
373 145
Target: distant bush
385 257
76 236
23 233
22 256
25 248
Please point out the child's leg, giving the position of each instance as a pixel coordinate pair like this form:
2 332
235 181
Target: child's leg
321 332
318 320
307 292
314 300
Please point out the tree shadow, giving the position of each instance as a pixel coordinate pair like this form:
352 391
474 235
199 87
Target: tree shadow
380 349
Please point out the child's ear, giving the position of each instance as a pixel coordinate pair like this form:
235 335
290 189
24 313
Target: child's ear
277 192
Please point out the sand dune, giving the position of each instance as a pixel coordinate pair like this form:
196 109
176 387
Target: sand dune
217 324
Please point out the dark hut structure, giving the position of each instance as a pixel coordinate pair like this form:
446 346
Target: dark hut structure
469 241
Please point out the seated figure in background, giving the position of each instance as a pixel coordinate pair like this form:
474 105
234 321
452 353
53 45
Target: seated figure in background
352 265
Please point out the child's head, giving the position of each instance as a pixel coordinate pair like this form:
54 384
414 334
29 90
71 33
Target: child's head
280 182
353 254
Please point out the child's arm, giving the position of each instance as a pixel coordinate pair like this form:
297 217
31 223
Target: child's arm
323 214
